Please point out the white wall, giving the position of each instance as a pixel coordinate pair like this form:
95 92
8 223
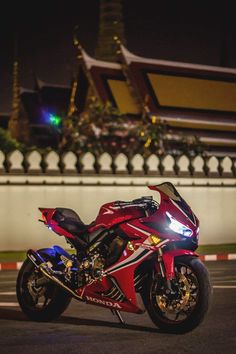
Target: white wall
19 228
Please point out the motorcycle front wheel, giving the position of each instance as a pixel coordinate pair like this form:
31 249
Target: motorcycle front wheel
184 307
44 302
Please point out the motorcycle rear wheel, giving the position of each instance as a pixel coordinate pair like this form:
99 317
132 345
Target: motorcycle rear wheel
186 308
43 303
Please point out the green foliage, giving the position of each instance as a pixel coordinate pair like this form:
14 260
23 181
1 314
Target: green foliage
153 135
103 128
157 137
99 128
7 143
192 146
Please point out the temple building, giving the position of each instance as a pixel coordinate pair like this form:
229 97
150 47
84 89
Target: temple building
195 100
191 99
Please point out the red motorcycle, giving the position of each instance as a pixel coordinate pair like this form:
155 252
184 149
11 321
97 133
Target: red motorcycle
136 256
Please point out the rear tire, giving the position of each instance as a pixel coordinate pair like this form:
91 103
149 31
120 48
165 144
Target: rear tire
44 303
184 311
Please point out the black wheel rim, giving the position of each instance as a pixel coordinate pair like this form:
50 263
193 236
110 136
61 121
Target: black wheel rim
35 297
176 307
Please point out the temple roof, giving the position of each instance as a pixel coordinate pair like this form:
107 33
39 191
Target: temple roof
53 97
40 84
181 86
192 99
109 83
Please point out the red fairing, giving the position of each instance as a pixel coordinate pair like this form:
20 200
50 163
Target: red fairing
170 206
111 214
47 214
122 272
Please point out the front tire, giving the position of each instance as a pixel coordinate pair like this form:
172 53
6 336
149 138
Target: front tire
43 303
185 308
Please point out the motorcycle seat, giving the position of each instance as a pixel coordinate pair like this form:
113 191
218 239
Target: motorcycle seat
70 221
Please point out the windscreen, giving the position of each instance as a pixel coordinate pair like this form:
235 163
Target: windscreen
169 189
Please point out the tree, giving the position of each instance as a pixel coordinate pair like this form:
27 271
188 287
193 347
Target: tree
153 135
100 128
7 143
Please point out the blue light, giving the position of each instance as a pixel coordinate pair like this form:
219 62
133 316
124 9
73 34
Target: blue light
51 118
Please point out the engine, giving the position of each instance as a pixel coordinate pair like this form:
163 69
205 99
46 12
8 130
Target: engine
91 268
101 254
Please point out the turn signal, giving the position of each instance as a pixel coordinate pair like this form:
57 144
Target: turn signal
154 240
130 246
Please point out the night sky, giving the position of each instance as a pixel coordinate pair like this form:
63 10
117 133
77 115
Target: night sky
189 31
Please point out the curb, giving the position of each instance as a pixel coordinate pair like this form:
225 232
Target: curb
205 258
218 257
10 265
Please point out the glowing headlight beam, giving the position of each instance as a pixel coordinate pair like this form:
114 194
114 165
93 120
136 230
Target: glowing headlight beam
177 227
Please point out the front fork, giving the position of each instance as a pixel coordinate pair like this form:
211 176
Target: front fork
166 260
161 263
163 271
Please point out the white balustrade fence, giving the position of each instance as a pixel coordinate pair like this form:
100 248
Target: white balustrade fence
53 163
85 182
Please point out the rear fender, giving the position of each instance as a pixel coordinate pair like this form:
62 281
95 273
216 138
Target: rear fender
47 214
169 257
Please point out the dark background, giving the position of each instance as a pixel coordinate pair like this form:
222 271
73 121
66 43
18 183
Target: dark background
190 31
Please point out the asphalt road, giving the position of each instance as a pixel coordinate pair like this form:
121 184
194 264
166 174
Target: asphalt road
90 329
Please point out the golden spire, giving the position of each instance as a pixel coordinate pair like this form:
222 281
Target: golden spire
72 107
18 123
110 24
15 92
92 92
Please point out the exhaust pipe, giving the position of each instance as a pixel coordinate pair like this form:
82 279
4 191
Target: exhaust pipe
48 272
35 258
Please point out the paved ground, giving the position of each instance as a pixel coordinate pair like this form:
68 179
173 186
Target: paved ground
89 329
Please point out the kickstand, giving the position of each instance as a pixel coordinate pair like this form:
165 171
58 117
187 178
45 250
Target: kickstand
118 314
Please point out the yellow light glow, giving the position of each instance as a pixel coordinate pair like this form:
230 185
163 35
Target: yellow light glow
154 119
154 240
148 143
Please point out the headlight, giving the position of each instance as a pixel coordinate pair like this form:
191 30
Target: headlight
177 227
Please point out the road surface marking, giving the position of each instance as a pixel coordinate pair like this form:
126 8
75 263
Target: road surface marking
223 281
9 304
8 293
224 286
